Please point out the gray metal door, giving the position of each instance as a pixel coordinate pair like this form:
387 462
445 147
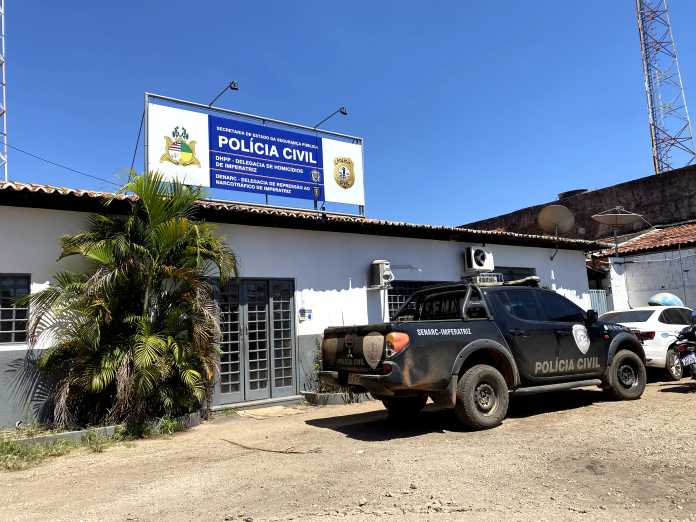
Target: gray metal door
230 387
598 299
283 338
249 368
255 339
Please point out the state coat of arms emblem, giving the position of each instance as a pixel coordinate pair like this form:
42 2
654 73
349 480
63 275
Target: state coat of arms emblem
343 172
178 150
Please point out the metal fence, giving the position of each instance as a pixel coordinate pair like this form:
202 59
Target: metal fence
598 298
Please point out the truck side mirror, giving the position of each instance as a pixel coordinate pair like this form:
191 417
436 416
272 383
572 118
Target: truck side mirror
693 315
592 316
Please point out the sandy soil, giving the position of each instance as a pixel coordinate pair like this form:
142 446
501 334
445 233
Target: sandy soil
563 456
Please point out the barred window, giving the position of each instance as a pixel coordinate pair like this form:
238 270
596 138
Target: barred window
402 290
13 320
514 273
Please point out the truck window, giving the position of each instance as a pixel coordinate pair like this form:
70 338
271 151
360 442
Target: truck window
521 304
560 310
444 305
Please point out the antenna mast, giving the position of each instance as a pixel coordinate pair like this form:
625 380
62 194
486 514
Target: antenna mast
670 129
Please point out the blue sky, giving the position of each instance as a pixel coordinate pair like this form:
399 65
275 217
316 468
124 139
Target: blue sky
468 109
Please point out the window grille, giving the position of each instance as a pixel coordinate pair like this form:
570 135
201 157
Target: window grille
13 320
514 273
402 290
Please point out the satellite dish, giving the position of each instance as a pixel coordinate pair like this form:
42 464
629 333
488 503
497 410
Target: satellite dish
616 217
556 219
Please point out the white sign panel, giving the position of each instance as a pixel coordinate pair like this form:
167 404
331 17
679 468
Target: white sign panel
177 144
343 172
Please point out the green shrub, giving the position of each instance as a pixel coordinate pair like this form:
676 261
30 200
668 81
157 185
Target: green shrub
136 336
169 426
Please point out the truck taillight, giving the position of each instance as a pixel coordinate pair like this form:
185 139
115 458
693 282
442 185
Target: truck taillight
386 368
396 341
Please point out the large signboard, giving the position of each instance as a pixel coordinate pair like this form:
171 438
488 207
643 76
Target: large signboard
202 149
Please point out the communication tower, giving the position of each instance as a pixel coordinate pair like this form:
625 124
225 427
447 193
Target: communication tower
670 128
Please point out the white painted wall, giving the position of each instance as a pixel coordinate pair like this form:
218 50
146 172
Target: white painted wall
330 269
634 280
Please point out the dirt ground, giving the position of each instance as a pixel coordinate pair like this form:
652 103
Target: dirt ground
565 456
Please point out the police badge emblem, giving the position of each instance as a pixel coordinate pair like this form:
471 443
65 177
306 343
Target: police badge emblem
343 172
178 150
315 175
582 339
316 190
372 348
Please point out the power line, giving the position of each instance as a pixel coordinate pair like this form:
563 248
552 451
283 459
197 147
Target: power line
57 164
138 141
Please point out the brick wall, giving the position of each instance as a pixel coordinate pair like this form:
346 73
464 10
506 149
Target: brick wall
662 199
641 277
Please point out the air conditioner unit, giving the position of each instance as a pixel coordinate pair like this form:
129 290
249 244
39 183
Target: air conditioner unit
380 275
477 260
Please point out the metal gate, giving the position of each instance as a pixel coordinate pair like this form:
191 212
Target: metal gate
598 298
258 341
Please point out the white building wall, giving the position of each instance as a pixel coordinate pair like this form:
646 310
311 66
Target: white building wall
634 280
330 269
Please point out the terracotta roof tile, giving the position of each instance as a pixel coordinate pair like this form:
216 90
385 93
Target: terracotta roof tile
666 238
485 235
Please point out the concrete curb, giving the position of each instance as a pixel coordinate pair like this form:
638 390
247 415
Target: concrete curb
324 399
70 436
187 421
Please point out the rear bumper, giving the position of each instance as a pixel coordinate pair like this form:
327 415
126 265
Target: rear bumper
376 384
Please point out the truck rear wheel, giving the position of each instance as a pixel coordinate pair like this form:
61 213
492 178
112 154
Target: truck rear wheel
482 397
629 377
404 407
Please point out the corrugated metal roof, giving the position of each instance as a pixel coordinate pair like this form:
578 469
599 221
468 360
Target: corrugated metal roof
321 217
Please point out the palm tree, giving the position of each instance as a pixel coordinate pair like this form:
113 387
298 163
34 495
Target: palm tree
135 337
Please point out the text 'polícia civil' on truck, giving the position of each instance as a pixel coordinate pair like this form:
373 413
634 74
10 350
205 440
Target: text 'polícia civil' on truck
468 347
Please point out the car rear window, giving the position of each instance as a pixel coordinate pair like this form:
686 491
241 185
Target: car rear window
627 316
673 316
686 313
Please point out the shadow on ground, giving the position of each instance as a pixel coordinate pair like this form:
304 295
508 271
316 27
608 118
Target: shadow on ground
375 426
679 387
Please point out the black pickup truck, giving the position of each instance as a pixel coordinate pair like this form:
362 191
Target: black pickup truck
468 347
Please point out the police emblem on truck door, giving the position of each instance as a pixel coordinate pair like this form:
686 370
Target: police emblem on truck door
582 339
373 344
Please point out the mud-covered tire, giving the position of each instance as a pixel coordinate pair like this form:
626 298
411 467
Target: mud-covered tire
673 370
404 407
628 377
482 398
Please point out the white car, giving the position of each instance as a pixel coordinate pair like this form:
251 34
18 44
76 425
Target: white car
657 328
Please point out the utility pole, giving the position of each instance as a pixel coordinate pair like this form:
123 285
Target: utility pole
670 129
3 112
